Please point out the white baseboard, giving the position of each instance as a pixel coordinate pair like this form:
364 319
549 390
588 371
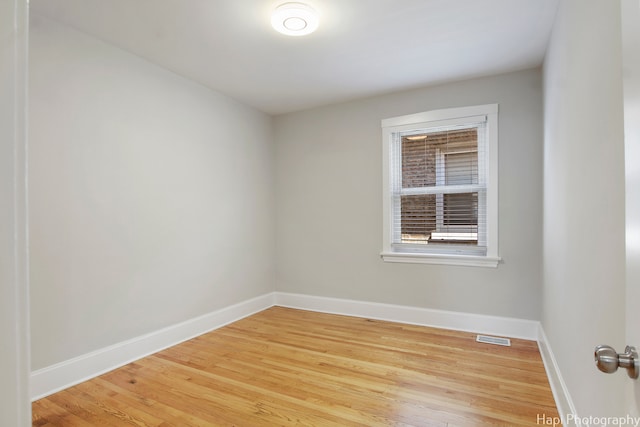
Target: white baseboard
493 325
57 377
558 387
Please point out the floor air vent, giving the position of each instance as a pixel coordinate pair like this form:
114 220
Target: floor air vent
494 340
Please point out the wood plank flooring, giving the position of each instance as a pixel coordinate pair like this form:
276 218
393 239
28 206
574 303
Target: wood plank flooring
285 367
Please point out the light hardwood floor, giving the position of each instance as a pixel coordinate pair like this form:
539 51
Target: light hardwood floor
285 367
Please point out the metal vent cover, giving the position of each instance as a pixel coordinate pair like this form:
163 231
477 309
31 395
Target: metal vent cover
494 340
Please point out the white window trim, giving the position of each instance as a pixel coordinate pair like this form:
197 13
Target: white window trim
444 117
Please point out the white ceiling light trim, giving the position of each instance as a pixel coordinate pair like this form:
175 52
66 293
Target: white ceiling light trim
295 19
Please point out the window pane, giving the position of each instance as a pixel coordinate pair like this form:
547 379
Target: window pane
418 215
461 168
439 218
418 162
461 210
440 158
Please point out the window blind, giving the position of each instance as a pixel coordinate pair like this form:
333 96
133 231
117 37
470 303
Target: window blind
439 188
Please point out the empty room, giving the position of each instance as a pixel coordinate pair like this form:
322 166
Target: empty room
320 212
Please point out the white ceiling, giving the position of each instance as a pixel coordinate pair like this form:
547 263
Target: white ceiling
362 48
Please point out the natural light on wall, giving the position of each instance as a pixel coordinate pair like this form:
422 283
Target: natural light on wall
295 19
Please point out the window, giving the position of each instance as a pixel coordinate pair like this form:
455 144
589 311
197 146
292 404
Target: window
440 187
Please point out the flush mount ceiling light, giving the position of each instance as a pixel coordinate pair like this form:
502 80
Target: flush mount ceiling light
294 19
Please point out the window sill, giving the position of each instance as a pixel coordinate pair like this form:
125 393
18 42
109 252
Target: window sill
465 260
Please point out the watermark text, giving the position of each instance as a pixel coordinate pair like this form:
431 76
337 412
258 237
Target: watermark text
591 421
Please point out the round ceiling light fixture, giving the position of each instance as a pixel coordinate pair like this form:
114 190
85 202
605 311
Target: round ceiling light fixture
295 19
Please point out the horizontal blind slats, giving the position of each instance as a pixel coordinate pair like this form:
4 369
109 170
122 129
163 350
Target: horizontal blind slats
439 195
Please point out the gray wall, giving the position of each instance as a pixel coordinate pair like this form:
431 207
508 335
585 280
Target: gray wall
583 291
631 84
329 203
15 408
151 197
